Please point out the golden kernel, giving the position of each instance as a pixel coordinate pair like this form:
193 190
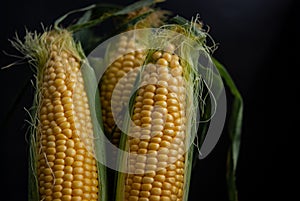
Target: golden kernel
162 62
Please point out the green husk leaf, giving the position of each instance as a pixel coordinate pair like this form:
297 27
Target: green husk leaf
104 12
235 121
132 22
99 14
234 130
91 87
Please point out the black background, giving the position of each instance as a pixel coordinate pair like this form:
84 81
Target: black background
259 46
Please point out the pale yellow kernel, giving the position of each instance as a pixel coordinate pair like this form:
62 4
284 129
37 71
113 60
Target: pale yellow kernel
137 179
69 113
175 114
143 199
155 140
166 186
60 155
162 90
64 88
148 101
78 192
141 158
67 93
50 151
68 177
167 56
166 196
171 180
56 95
145 113
67 187
174 64
165 143
162 62
65 125
77 184
57 188
59 174
148 180
164 76
68 106
70 152
148 94
143 144
146 120
147 107
56 195
47 171
79 157
139 166
58 167
153 146
59 82
157 128
173 81
150 167
66 197
156 115
150 88
145 194
78 177
50 144
77 164
78 170
142 151
152 160
163 150
156 55
172 109
154 198
136 186
56 101
58 181
133 198
136 116
59 161
134 192
48 193
146 187
57 130
162 70
179 178
48 178
128 63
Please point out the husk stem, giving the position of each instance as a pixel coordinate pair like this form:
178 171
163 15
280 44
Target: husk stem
36 49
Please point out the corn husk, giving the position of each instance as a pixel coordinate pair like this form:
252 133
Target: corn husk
35 48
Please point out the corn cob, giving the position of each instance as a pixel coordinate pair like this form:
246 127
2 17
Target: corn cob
63 146
127 56
122 63
157 142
